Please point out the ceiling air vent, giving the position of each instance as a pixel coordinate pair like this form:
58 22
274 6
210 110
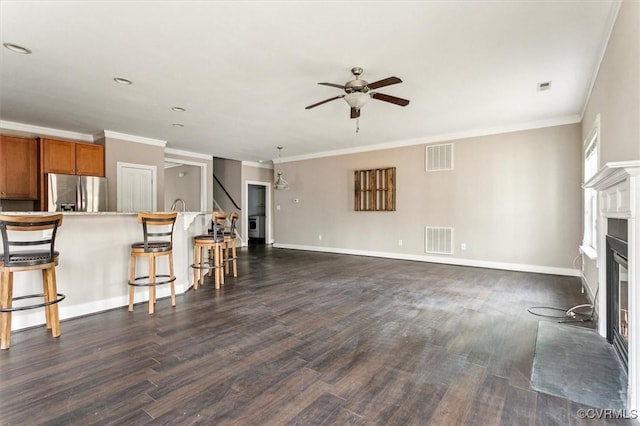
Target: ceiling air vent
545 85
439 157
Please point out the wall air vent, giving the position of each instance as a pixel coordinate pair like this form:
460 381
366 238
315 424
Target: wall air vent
438 240
439 157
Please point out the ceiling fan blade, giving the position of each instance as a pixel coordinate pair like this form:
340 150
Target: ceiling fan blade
382 83
391 99
324 102
355 113
339 86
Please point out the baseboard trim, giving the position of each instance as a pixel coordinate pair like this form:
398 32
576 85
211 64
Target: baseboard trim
32 318
539 269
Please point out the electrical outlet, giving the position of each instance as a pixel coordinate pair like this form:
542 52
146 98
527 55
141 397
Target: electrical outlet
400 243
320 237
463 246
278 207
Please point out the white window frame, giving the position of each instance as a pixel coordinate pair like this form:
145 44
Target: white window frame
591 165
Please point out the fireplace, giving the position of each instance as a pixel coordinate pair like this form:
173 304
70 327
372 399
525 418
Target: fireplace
617 287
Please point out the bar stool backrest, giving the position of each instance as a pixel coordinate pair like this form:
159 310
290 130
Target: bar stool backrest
27 232
218 221
233 218
157 227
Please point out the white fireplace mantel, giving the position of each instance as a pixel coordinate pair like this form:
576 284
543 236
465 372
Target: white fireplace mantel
618 186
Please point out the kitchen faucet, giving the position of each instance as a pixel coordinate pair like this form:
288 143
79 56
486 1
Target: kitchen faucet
175 203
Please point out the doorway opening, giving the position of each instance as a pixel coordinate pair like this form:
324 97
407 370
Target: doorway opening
185 180
257 215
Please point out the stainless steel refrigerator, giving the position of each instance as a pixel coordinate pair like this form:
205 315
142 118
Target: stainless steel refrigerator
76 193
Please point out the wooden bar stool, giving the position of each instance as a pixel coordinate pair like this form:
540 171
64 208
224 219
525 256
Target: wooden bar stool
230 245
213 262
39 234
157 229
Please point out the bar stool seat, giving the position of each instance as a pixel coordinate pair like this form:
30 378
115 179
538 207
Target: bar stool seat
213 262
157 230
28 231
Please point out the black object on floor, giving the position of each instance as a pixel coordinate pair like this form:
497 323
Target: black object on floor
578 364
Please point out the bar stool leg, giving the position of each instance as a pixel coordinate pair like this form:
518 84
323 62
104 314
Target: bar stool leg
152 281
196 263
6 295
212 260
171 276
225 257
47 299
132 277
233 254
216 264
221 263
53 291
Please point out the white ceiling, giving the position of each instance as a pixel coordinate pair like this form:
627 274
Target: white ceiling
245 70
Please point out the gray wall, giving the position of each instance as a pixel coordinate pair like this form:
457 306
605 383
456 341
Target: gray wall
182 182
513 198
616 97
208 177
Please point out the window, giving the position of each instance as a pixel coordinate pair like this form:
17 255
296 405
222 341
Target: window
591 151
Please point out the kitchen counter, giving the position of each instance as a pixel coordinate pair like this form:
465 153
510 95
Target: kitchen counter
94 263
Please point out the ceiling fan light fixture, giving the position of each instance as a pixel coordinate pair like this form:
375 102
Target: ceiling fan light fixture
357 99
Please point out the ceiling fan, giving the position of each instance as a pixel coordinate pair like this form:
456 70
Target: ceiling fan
358 92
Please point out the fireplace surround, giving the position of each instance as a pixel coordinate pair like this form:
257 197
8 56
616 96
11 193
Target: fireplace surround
618 186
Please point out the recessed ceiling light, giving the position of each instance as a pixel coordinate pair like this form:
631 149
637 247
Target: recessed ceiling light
177 125
124 81
545 85
17 49
178 109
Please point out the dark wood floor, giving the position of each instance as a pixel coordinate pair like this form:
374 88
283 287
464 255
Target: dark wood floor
301 338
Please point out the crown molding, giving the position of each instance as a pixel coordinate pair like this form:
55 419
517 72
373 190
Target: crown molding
558 121
133 138
45 131
172 151
258 165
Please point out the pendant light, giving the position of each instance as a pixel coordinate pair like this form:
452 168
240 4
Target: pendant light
280 183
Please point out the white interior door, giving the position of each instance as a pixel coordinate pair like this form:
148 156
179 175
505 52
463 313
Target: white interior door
136 187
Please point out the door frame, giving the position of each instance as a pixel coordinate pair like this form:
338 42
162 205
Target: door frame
154 179
203 178
267 210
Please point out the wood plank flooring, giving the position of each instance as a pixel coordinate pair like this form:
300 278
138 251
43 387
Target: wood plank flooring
301 338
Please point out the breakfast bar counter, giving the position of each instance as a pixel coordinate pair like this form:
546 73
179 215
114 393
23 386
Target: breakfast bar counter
94 263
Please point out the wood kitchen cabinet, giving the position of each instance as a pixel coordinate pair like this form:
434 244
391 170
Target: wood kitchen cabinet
18 168
71 158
